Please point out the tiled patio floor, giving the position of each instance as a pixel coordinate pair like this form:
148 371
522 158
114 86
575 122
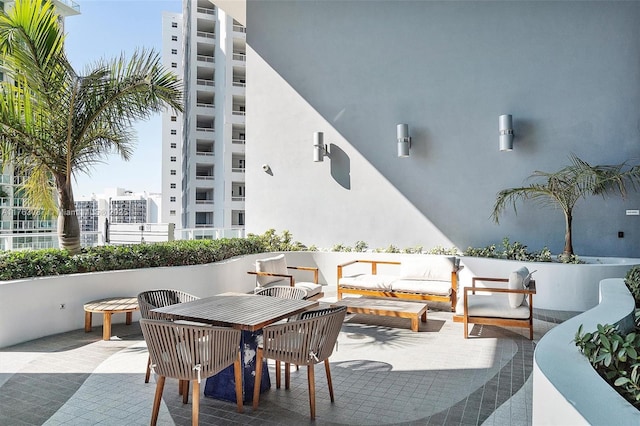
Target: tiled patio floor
382 374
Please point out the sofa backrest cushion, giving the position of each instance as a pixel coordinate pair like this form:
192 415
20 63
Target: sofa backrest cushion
432 268
274 265
518 280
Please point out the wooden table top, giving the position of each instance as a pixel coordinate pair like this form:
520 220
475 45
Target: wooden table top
112 304
242 311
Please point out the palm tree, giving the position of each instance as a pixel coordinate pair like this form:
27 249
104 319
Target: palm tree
56 123
566 186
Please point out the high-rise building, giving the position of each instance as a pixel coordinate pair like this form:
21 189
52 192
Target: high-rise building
203 149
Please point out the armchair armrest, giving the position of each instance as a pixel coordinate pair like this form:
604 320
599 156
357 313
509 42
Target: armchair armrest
292 280
307 268
374 265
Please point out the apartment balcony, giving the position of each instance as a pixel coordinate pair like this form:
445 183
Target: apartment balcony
206 84
205 130
206 11
239 56
206 59
206 35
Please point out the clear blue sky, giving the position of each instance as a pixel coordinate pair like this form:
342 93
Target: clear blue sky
104 29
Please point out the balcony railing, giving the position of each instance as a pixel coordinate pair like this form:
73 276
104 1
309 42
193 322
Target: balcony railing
237 112
237 198
203 105
204 201
206 10
206 58
239 84
204 177
238 141
205 82
205 129
239 57
206 34
239 29
238 169
209 153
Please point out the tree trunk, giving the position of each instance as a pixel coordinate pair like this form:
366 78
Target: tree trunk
568 244
68 226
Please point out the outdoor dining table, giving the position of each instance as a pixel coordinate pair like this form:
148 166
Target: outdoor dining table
246 312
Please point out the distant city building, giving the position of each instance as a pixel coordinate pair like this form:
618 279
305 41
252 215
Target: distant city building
203 150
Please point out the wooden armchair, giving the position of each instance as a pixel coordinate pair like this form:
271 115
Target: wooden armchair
506 307
274 271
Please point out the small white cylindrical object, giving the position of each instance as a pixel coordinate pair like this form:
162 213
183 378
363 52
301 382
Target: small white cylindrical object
505 122
318 147
402 131
403 147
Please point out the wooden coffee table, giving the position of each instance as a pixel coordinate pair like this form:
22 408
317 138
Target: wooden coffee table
386 307
106 307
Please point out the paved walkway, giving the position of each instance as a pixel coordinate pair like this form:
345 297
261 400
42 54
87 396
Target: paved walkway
383 373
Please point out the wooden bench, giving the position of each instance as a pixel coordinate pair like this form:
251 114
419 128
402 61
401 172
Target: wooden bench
386 307
107 307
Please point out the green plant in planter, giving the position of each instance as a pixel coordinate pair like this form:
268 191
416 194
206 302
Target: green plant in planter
566 186
632 280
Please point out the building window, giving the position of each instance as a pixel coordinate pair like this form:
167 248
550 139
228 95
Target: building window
174 145
174 118
174 132
173 172
174 51
174 38
174 65
173 186
173 159
172 199
172 212
174 25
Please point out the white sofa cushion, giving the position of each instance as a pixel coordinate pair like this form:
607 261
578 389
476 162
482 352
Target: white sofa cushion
273 265
495 305
441 288
311 288
431 268
368 281
518 280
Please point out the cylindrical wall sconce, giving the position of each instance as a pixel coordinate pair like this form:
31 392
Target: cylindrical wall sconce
505 125
404 140
318 147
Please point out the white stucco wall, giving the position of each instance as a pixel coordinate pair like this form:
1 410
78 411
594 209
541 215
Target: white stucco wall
566 71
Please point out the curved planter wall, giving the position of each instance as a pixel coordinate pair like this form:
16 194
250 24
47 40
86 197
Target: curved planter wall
566 388
30 308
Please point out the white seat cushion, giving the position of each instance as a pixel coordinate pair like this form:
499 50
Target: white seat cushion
494 305
368 281
433 268
440 288
273 265
311 288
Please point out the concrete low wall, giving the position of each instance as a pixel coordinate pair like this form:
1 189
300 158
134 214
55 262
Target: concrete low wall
30 308
566 388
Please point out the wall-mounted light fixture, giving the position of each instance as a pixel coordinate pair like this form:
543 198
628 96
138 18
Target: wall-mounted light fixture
404 140
319 149
505 125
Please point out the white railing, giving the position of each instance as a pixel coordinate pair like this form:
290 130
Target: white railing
206 58
202 105
240 57
207 231
239 112
206 34
205 82
239 84
239 29
204 153
204 129
206 10
238 141
204 201
238 169
199 177
237 198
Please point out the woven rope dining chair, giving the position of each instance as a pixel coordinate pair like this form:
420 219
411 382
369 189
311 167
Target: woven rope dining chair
191 353
307 341
148 300
283 292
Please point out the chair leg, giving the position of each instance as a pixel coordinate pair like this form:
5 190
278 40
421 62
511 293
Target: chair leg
287 375
156 400
466 328
185 391
195 409
148 373
312 390
327 370
237 372
256 384
277 374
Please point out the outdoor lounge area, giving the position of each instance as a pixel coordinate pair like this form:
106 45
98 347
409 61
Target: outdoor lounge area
383 373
